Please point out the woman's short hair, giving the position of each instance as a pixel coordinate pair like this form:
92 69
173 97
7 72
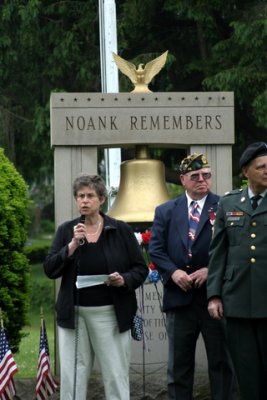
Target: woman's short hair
93 182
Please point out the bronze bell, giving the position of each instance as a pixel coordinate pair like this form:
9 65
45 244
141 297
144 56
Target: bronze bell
142 188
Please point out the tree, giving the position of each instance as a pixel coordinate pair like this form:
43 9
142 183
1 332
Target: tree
45 46
48 46
239 63
214 45
14 267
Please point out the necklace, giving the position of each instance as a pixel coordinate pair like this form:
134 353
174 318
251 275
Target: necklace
97 229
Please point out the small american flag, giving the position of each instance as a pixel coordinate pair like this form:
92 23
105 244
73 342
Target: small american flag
45 385
7 369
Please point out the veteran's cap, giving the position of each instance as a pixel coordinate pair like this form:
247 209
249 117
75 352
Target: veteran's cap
253 151
193 163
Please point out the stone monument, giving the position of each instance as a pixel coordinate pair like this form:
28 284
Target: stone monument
81 123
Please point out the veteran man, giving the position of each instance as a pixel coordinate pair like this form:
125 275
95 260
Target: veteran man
179 246
237 277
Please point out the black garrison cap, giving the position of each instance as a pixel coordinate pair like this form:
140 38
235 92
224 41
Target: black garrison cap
253 151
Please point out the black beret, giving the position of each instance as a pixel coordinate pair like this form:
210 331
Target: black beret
253 151
193 163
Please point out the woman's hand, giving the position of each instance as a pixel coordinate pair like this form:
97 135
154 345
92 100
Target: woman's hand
115 279
79 232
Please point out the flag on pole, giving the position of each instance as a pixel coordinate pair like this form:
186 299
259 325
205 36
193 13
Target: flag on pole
45 385
8 368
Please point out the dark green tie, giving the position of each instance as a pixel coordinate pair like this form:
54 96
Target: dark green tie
255 200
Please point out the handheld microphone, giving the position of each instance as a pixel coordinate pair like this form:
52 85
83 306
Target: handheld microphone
82 221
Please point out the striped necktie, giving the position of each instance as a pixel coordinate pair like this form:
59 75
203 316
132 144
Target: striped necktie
194 216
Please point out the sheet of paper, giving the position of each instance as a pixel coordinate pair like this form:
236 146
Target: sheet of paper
90 280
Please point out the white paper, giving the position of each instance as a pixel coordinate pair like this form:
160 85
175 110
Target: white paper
84 281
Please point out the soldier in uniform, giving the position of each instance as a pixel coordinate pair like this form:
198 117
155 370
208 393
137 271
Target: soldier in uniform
237 277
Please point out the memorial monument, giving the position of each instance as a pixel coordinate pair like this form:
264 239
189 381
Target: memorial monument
82 123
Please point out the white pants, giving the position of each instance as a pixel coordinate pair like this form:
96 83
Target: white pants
98 337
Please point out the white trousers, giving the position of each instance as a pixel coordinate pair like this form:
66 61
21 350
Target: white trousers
98 338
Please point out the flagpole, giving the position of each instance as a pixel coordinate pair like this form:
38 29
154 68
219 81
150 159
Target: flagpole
42 317
109 82
1 318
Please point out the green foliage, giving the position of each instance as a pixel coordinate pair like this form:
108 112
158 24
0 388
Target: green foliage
45 46
174 190
49 46
14 267
48 226
214 45
238 63
41 292
260 109
36 252
41 295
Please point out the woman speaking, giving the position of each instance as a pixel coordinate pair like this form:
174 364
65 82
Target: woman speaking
100 265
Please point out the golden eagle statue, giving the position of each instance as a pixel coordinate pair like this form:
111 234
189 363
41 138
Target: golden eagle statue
142 75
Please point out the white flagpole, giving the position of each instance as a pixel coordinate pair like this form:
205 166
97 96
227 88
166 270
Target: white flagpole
109 80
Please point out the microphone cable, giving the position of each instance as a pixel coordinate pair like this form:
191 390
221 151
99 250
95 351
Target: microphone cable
76 318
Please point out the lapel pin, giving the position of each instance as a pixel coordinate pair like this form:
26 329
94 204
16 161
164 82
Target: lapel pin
243 199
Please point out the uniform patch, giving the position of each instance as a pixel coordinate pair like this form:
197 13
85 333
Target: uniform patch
235 213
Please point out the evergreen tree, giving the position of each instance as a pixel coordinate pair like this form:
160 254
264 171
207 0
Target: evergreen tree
14 266
48 46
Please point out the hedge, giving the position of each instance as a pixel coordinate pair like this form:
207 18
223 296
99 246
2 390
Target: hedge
14 265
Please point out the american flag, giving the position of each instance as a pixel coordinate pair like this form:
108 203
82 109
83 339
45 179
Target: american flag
7 369
45 385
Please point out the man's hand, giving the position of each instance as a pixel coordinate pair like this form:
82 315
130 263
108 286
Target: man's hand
215 308
199 277
182 279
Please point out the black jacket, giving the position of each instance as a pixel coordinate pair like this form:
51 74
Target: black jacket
120 246
168 247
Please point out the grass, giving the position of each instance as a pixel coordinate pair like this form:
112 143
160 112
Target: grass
27 357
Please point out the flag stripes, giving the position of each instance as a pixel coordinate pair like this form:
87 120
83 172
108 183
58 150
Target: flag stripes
8 368
45 385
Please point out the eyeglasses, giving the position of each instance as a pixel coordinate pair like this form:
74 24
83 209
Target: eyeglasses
82 196
195 177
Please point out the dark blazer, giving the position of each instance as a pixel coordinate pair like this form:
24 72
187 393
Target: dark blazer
168 247
122 253
238 261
